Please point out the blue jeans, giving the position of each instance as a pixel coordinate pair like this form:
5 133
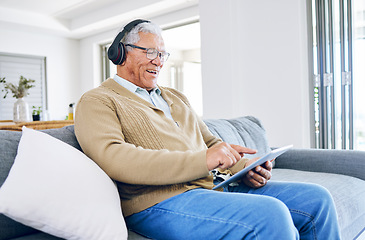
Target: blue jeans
276 211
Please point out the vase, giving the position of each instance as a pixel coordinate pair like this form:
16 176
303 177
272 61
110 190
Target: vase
21 111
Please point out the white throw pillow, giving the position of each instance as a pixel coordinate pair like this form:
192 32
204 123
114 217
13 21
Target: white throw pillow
57 189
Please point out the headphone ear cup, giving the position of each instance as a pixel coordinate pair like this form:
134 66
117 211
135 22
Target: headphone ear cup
116 53
122 54
113 53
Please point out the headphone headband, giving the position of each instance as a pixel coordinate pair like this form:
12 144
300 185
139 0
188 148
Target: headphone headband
131 25
116 51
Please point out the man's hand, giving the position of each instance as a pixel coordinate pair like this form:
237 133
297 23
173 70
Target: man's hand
224 155
258 176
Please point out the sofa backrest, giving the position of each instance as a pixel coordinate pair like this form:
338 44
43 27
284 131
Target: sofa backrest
245 131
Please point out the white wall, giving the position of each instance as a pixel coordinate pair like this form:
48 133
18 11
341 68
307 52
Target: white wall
90 60
62 64
255 62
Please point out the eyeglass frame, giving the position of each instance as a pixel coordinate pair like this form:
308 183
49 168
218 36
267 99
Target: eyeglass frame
159 54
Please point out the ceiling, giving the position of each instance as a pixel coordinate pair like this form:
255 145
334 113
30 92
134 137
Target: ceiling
82 18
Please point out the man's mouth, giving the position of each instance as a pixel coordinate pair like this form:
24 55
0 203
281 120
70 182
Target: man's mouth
152 71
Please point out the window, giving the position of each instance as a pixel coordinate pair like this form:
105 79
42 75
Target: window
12 66
182 71
339 75
108 68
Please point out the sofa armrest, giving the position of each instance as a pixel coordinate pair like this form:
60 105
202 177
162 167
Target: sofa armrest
346 162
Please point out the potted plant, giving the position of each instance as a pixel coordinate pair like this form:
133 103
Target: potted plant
36 114
20 90
21 111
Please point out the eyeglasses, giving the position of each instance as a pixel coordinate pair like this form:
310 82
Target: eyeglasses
152 53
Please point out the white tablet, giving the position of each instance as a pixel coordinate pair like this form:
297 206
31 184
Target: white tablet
271 155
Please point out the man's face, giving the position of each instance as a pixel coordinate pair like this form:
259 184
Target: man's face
140 70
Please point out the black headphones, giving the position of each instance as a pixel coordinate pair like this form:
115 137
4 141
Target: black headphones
116 51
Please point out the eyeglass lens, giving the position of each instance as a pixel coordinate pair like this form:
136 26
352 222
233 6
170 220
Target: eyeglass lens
153 54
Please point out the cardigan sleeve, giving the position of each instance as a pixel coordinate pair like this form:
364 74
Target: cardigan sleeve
99 133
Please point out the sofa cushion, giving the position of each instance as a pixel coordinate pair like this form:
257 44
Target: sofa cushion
57 189
245 131
10 228
65 134
347 192
38 236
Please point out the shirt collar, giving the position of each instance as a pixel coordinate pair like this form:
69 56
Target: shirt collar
132 87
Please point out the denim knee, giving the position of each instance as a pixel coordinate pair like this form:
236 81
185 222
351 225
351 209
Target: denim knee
316 215
276 219
320 197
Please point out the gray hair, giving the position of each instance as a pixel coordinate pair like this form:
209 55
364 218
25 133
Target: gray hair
147 27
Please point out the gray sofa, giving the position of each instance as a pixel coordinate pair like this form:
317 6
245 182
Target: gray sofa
341 172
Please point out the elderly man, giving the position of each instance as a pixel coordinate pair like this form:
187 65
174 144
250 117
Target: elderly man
160 153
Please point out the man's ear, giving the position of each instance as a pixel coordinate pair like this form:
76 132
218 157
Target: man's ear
124 62
125 59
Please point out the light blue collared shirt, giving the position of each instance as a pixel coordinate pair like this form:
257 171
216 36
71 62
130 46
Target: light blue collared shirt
153 97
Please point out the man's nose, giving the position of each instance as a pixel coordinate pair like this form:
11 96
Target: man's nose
157 61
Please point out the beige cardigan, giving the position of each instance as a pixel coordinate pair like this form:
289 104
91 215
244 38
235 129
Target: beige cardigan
150 156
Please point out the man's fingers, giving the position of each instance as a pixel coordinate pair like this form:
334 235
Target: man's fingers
263 172
258 178
235 154
268 165
232 158
242 150
252 179
249 150
222 155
